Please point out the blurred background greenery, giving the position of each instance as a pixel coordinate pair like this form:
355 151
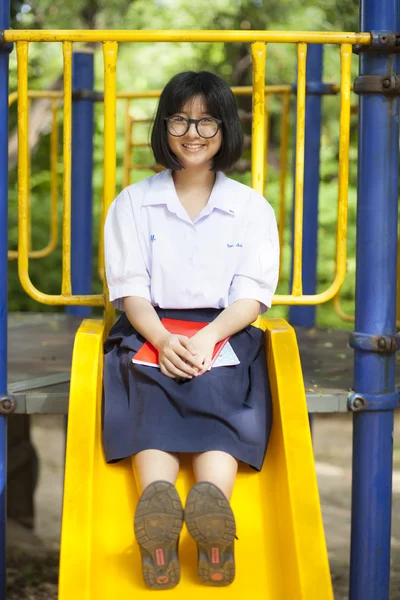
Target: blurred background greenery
149 66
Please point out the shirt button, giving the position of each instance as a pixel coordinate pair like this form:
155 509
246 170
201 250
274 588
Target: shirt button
187 292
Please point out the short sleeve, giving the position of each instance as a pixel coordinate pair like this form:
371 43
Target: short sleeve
256 275
126 271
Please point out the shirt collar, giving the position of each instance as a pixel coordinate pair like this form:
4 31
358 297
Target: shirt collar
162 191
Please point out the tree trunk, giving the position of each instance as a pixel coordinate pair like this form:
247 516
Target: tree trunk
39 122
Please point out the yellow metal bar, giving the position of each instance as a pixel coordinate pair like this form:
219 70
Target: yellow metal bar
344 143
297 287
100 257
128 142
341 241
259 53
339 310
100 261
284 37
67 142
29 168
266 142
54 177
132 153
110 51
52 244
23 261
12 98
140 145
144 121
350 318
23 181
283 173
345 89
279 299
245 90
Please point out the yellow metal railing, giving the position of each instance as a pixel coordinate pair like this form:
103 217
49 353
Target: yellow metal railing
106 35
129 163
130 123
284 90
52 243
348 318
337 305
110 39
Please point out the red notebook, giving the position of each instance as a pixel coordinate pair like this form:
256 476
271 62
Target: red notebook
148 355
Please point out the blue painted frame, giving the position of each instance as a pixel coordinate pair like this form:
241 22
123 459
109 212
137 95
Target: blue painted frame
305 315
81 184
376 276
4 69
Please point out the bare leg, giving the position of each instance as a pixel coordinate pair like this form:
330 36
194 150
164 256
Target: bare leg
158 517
218 468
154 465
209 517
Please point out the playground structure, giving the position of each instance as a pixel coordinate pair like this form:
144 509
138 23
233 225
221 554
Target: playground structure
285 92
285 527
129 165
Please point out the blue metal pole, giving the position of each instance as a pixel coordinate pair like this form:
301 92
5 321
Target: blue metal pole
373 340
305 315
81 186
4 67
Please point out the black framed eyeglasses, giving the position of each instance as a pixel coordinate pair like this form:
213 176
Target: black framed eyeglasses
207 127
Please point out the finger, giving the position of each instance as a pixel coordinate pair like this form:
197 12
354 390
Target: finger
186 356
187 343
175 371
206 365
165 371
175 346
168 373
175 359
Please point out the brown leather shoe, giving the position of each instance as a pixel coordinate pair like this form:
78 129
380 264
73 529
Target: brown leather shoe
211 523
158 524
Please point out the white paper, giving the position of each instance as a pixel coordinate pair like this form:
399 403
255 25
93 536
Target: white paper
227 357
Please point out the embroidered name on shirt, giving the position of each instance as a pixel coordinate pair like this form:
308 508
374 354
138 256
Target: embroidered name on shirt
152 238
234 245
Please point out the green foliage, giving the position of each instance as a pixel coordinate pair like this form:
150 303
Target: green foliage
149 66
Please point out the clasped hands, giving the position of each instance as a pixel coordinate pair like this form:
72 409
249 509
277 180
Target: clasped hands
181 357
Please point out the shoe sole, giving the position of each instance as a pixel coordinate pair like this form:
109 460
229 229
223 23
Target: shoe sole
158 524
211 523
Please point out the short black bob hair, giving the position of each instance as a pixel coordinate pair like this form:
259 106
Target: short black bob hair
220 103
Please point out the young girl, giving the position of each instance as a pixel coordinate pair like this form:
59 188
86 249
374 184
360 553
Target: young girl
189 244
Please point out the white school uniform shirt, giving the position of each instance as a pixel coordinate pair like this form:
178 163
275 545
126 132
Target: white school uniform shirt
154 250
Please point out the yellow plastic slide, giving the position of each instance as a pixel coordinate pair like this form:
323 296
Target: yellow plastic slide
281 552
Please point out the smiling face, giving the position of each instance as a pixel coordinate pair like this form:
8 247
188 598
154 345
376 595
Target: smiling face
191 150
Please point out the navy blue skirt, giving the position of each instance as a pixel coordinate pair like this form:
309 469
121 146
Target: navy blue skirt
226 408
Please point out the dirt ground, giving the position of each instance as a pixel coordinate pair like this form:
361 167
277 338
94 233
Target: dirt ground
32 564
